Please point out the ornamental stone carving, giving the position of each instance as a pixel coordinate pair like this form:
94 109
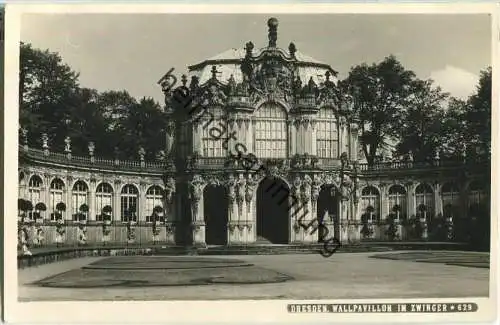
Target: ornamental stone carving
91 148
250 189
213 180
231 188
169 189
296 186
67 145
166 83
346 188
231 227
275 168
315 189
241 188
306 189
169 228
24 136
141 153
45 141
196 188
170 128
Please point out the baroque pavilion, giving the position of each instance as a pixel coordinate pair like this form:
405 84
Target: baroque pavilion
279 106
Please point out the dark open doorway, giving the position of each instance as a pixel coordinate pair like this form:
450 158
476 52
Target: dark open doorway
216 217
327 209
273 211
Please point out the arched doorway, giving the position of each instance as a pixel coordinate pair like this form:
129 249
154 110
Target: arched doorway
273 211
215 214
327 209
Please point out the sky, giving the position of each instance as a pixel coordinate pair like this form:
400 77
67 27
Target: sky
133 51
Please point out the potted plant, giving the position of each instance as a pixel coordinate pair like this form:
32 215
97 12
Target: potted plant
82 233
130 232
60 207
106 214
367 219
106 218
392 231
131 214
24 240
60 229
29 211
157 212
22 209
439 228
39 208
422 209
82 216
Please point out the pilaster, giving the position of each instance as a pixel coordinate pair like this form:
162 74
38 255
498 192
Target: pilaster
340 134
92 200
196 186
69 198
116 214
196 132
291 138
384 201
45 197
438 202
313 138
141 206
169 206
411 199
232 209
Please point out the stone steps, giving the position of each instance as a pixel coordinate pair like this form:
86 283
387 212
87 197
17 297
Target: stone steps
263 249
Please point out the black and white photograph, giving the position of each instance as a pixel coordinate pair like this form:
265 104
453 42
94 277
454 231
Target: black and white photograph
326 162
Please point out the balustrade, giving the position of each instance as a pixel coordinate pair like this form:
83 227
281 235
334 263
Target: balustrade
81 161
217 162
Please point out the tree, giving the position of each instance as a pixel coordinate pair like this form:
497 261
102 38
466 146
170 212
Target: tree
141 127
61 206
22 205
452 129
467 124
420 128
379 92
45 86
478 118
115 106
86 124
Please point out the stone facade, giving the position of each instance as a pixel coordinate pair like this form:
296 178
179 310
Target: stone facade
287 110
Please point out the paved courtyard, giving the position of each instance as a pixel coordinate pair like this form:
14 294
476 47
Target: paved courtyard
310 276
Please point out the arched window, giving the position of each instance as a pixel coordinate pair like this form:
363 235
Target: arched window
424 197
35 189
129 203
270 132
370 197
326 134
397 200
103 197
476 193
55 195
450 195
214 132
79 199
154 197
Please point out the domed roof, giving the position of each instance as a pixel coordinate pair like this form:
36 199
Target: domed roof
229 62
